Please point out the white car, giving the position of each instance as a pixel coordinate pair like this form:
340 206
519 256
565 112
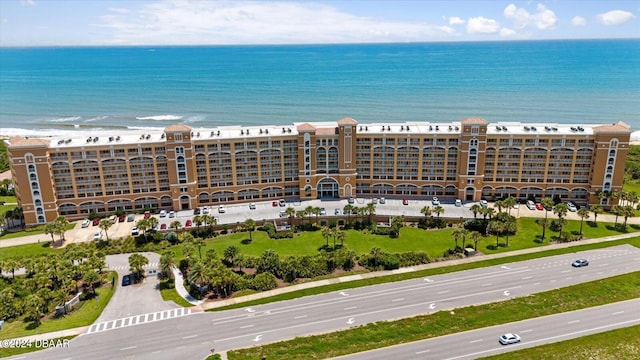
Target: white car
163 213
97 236
135 231
484 203
86 223
252 206
383 200
571 207
458 202
172 214
507 339
205 210
221 209
531 205
435 201
336 211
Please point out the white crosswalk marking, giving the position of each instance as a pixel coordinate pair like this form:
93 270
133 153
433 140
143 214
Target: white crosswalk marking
137 320
152 265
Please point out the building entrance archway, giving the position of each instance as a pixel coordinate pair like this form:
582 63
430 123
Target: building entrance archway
469 193
328 188
184 202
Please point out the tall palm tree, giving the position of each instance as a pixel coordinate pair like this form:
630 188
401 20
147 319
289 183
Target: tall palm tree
197 220
308 211
348 209
376 254
33 305
250 225
104 225
509 227
198 243
291 213
230 254
561 210
457 235
627 212
326 232
547 203
438 210
198 273
496 227
475 209
509 203
176 224
137 263
475 237
584 214
341 235
596 209
426 211
167 262
371 210
61 224
51 229
499 204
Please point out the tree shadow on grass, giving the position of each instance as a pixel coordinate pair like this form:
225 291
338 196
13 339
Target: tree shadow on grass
245 241
592 224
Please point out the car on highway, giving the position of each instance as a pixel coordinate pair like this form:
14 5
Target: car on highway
539 206
580 263
252 206
126 280
97 236
435 201
86 223
163 213
405 201
572 207
221 209
484 203
507 339
135 231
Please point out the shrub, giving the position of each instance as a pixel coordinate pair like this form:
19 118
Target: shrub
264 281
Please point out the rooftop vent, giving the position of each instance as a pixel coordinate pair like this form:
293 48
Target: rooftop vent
260 131
437 128
162 136
283 130
110 138
118 138
211 133
241 132
95 139
580 128
266 131
430 128
401 127
498 128
366 128
450 127
533 128
547 128
89 139
360 128
218 132
60 141
407 127
198 134
526 128
457 128
67 141
382 127
504 128
554 128
388 128
289 130
573 128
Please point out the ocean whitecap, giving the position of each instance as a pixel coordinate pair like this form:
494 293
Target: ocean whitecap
160 117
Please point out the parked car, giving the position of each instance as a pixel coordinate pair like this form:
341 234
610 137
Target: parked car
131 217
405 201
336 212
531 205
122 218
539 206
274 203
484 203
458 202
147 214
163 213
172 214
282 203
96 221
283 214
435 201
323 211
97 236
383 200
374 200
113 219
351 201
188 223
126 280
196 211
571 207
516 206
507 339
86 223
163 226
252 206
205 209
135 231
580 263
221 209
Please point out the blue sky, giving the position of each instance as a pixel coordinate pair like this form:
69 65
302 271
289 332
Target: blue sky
183 22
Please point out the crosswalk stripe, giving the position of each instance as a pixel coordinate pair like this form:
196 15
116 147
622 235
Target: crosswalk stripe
138 320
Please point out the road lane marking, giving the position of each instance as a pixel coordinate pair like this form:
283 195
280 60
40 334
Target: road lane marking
189 337
536 283
525 331
350 308
601 265
246 326
527 277
489 284
565 271
422 352
400 299
618 313
128 348
475 341
573 322
300 317
443 292
351 321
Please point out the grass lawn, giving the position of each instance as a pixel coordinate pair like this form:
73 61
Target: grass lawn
84 316
32 231
26 251
169 293
388 333
610 345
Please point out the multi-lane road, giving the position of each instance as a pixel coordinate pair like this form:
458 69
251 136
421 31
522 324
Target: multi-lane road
192 337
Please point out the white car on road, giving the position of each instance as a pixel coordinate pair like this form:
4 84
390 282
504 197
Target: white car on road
507 339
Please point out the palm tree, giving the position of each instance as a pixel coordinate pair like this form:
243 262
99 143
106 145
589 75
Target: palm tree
291 213
457 234
561 210
475 237
33 305
104 225
308 211
509 227
341 235
547 203
230 254
509 203
61 224
475 209
300 214
495 227
167 262
371 210
198 243
596 209
11 264
250 225
584 214
348 209
488 212
176 224
376 254
198 220
627 211
499 204
90 278
137 263
426 211
51 229
198 273
617 211
316 211
438 210
143 225
326 232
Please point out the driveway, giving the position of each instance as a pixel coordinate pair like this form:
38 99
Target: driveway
135 299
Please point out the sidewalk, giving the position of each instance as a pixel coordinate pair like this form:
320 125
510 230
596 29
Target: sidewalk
179 285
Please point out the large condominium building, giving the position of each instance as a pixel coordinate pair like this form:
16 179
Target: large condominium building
183 168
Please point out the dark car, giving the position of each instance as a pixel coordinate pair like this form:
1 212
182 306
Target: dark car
96 221
126 280
121 218
147 214
188 223
196 211
405 202
580 263
274 204
163 226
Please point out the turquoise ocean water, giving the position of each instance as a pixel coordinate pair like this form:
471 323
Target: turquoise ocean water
57 89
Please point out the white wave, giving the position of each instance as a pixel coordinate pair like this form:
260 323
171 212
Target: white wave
97 118
160 117
66 119
145 128
193 119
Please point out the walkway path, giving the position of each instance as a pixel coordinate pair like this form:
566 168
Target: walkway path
179 284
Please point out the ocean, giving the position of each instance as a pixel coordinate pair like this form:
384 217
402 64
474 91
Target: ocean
60 89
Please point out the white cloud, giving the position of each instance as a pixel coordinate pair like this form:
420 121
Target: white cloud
543 19
615 17
454 20
448 30
505 32
481 25
255 22
119 10
578 21
27 2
